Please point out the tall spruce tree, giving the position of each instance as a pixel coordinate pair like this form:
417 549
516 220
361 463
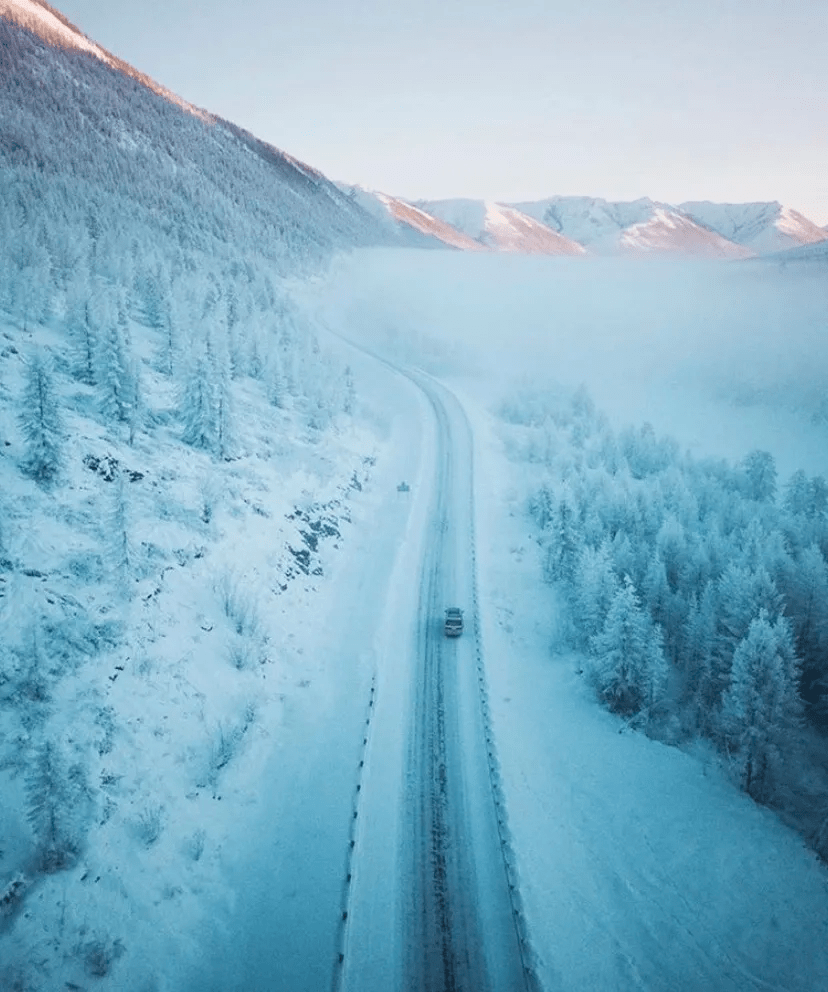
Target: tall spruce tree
116 373
628 667
761 710
206 405
595 587
40 421
742 592
562 539
696 658
119 532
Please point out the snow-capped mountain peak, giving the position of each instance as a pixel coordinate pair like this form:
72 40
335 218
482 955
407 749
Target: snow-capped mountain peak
668 231
412 216
643 225
500 227
51 26
511 230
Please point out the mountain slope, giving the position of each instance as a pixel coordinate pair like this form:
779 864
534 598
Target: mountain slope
762 227
591 221
673 233
500 227
817 252
411 223
68 120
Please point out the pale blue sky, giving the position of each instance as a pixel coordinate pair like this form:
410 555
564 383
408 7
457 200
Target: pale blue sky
673 99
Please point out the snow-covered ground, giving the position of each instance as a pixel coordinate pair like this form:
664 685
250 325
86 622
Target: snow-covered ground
284 867
203 696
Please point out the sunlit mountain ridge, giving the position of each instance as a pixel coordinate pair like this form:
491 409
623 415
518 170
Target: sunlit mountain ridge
56 30
573 225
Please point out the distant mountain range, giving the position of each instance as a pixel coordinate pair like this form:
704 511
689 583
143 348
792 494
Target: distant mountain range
577 225
307 214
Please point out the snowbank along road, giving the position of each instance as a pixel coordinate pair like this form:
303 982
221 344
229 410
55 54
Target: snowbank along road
461 935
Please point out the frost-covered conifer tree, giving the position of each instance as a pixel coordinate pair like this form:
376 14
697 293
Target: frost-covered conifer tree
562 539
169 327
83 327
66 257
818 507
224 408
349 392
657 669
696 658
742 592
119 538
627 665
256 349
33 685
595 587
761 710
197 404
116 373
540 506
277 391
656 592
149 297
760 476
798 493
31 285
40 421
671 544
808 608
207 403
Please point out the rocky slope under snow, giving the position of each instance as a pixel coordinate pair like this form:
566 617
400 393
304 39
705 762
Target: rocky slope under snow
761 227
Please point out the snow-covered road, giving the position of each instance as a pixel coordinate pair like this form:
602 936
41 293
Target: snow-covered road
430 906
457 912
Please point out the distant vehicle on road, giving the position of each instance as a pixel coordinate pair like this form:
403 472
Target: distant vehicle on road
454 621
403 487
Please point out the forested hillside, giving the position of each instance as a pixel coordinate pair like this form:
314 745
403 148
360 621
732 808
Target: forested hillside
102 157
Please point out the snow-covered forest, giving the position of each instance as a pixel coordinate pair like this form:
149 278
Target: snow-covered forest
163 401
695 589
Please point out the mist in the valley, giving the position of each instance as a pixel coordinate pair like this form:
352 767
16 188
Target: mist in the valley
726 357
